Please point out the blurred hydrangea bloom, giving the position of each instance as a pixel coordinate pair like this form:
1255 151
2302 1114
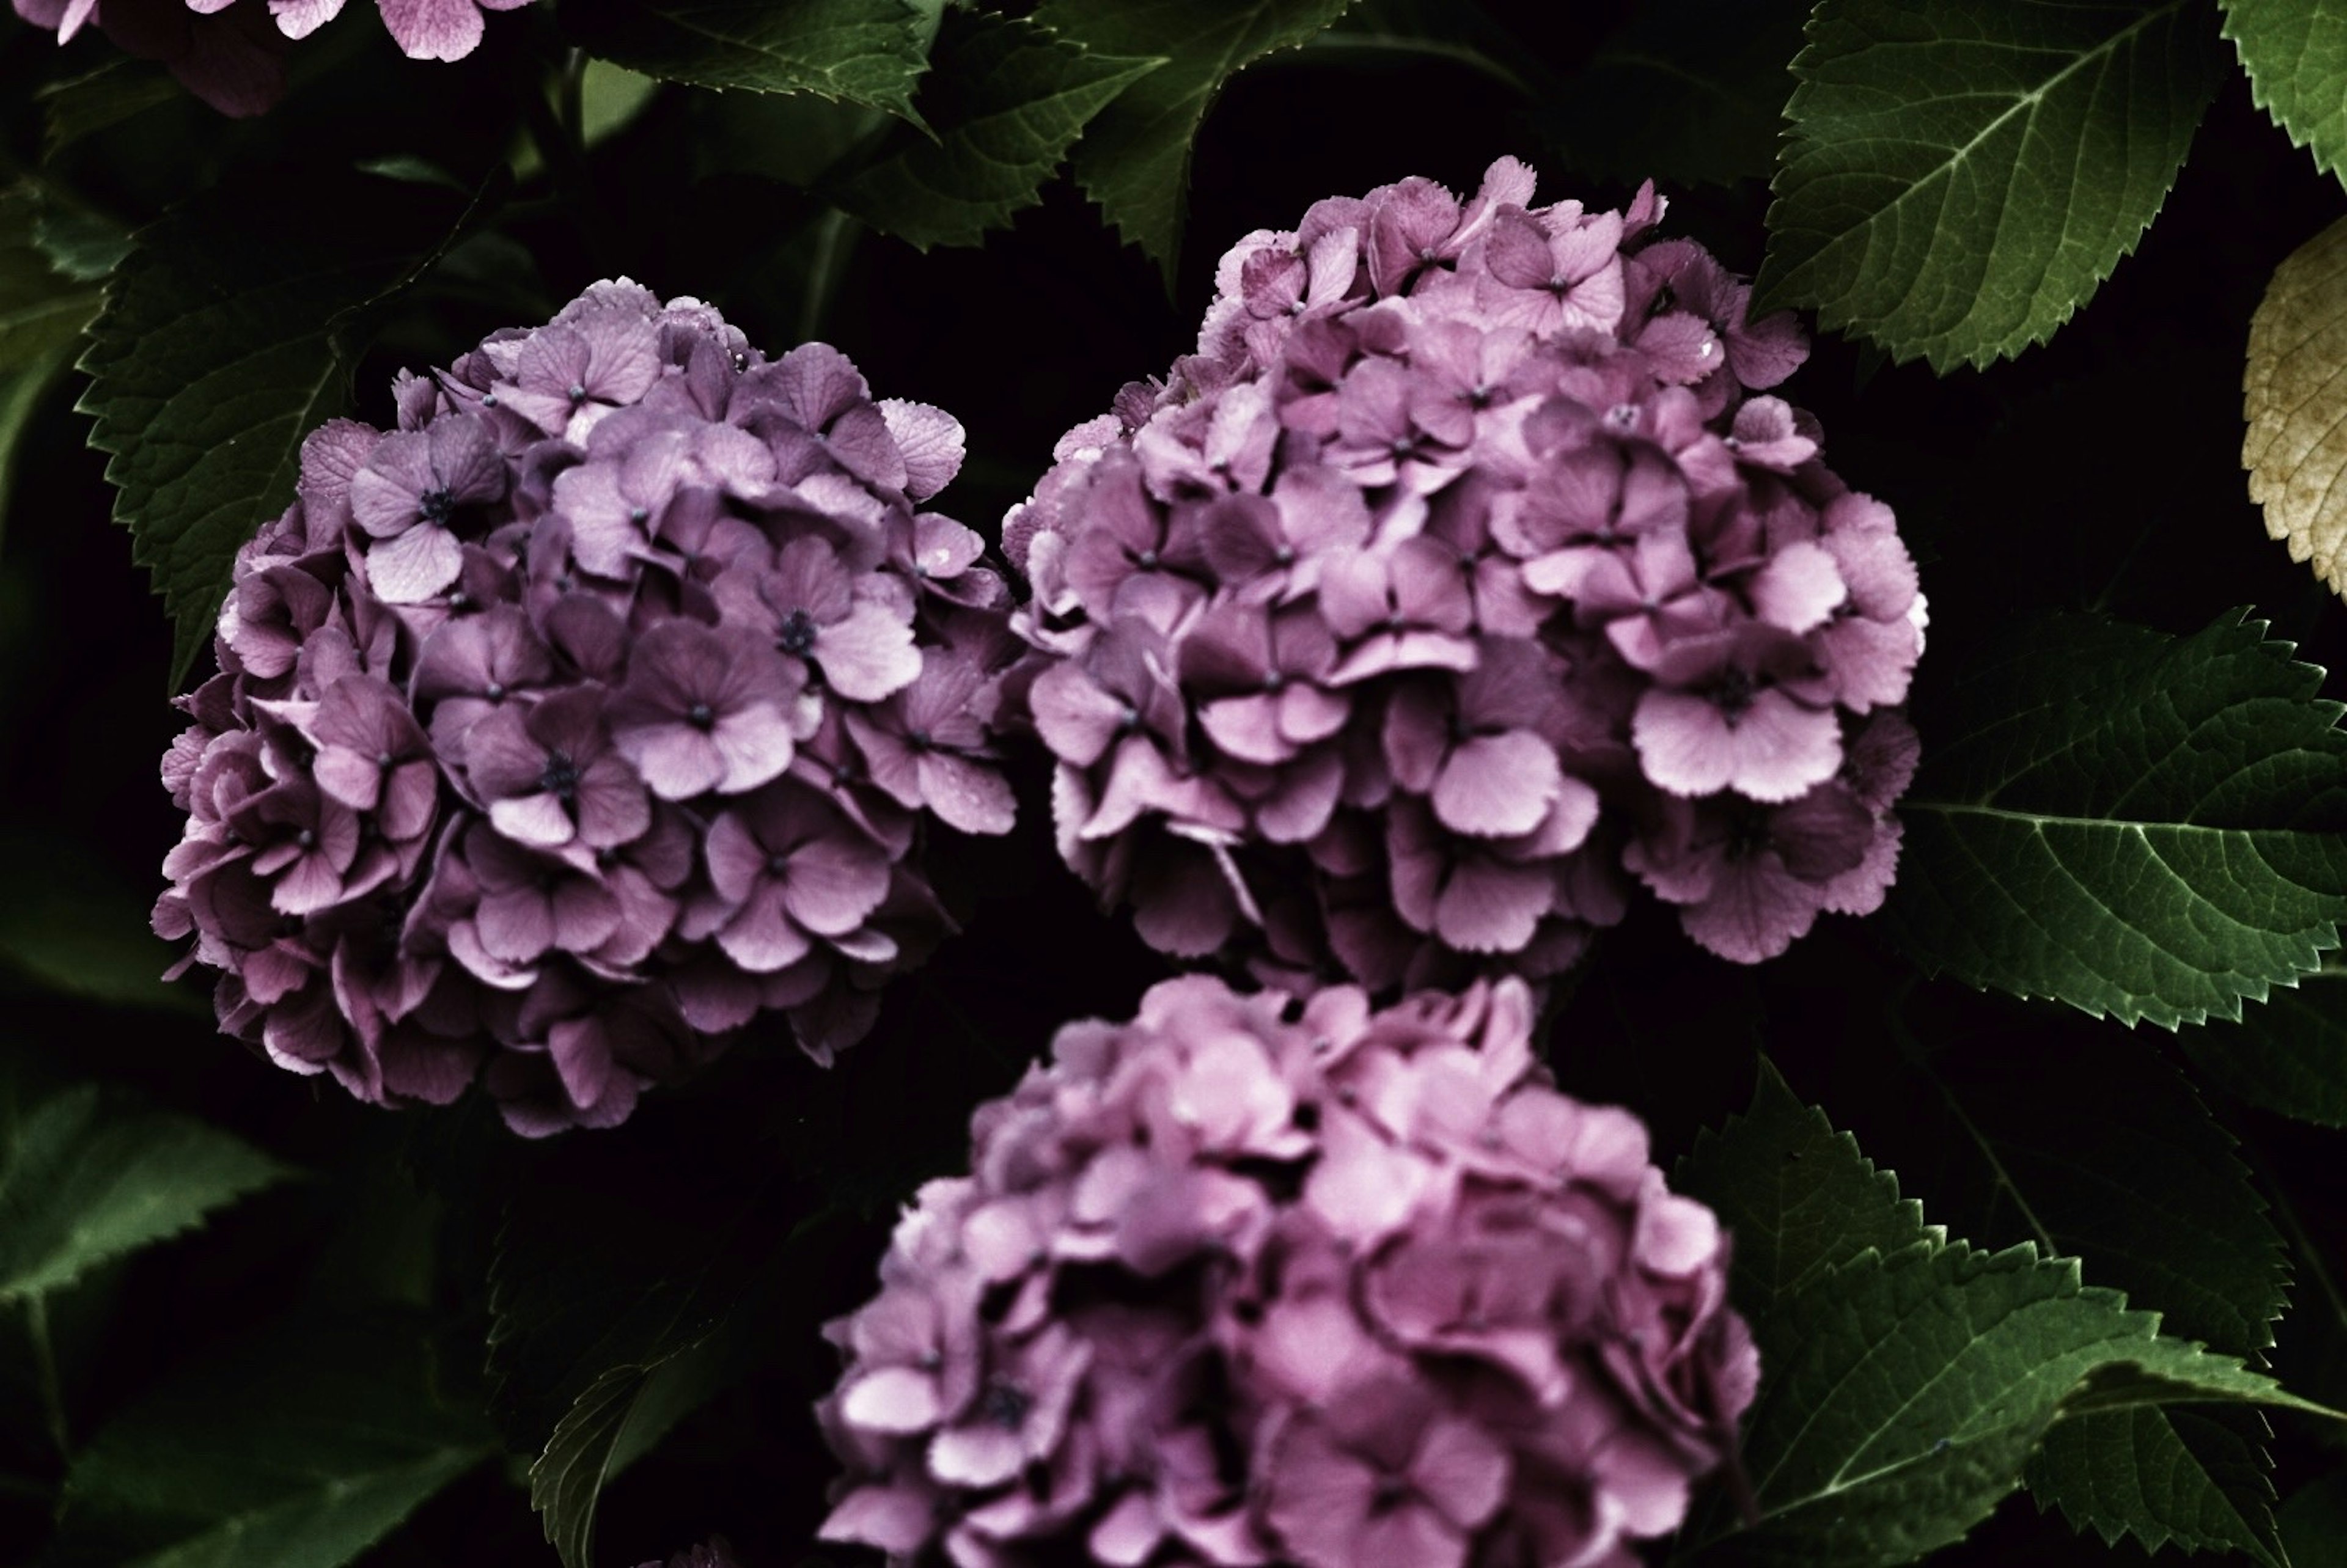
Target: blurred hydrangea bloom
1253 1281
715 1554
1464 572
602 703
231 53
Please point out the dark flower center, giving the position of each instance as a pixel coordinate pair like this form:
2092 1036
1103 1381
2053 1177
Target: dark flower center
1747 832
1284 556
1005 1406
701 716
1391 1492
639 516
560 778
917 739
778 864
798 633
578 393
495 691
1734 697
306 838
1273 680
1146 561
435 504
384 760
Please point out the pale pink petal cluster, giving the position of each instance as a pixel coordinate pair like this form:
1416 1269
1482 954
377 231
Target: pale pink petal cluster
1251 1281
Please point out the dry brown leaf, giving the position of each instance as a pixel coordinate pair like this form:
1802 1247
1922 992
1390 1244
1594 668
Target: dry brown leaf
2294 394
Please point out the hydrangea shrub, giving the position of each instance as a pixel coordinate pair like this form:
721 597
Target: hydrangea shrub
1248 1281
1464 578
603 703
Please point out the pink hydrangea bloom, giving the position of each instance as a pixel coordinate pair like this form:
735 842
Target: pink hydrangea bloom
231 53
1248 1281
1465 575
603 704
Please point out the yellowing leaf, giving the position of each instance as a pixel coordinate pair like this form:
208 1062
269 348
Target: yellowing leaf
2294 394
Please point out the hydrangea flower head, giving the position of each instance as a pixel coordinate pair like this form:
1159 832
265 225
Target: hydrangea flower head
231 53
605 701
1465 576
1249 1281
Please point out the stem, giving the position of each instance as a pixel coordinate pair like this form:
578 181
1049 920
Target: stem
572 101
554 130
45 1364
835 237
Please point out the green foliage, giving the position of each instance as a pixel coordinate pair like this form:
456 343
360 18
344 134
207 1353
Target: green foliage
84 1179
1799 1198
65 929
1134 159
228 336
2289 1056
1686 91
621 1413
2140 826
624 1297
2314 1523
1006 99
2192 1477
1958 178
43 309
868 52
299 1447
2295 52
2185 1233
1906 1390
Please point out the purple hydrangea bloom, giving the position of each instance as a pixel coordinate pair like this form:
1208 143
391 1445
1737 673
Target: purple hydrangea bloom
555 735
231 53
1464 578
1250 1280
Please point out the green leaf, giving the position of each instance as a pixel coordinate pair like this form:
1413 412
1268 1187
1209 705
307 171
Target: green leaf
1686 91
622 1415
1134 159
297 1448
2140 826
41 314
83 1180
1799 1197
228 335
2295 52
1007 100
2193 1477
66 927
2289 1056
113 93
2314 1523
1905 1394
1960 178
625 1293
868 52
1909 1378
2103 1151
